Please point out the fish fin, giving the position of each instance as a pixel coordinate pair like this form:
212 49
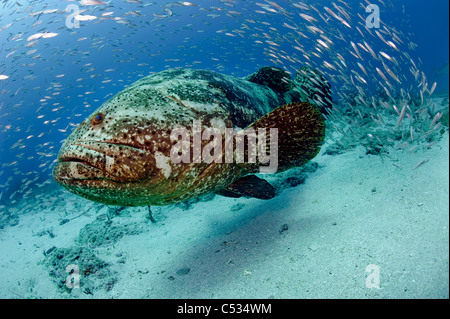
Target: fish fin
249 186
301 131
227 193
316 88
275 78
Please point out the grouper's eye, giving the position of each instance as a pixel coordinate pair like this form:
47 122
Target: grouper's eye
97 119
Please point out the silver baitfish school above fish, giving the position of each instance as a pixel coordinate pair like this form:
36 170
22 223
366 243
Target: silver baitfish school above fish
122 153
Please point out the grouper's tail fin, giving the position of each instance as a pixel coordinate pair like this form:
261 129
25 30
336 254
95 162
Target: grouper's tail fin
315 88
300 134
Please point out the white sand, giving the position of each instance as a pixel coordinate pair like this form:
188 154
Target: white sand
354 211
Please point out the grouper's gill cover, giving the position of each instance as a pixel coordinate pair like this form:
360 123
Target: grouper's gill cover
120 155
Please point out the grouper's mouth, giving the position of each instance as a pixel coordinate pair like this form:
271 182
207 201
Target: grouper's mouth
97 162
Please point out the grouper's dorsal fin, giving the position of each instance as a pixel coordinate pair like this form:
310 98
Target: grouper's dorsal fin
275 78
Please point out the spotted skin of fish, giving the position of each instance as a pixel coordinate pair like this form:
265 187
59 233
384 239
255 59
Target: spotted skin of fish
120 155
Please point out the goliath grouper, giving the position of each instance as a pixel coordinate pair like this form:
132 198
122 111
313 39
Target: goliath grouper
121 154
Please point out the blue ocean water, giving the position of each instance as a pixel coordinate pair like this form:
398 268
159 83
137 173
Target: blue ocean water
54 73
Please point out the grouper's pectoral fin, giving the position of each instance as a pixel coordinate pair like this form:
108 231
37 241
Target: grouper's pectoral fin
249 186
300 133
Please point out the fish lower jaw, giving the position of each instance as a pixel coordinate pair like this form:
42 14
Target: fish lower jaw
68 170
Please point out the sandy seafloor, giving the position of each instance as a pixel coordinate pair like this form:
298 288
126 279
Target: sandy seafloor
313 240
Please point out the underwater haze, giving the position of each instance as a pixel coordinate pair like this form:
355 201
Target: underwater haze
366 218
